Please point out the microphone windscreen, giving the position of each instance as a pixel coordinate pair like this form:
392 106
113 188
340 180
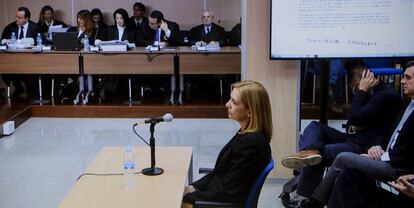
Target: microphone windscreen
168 117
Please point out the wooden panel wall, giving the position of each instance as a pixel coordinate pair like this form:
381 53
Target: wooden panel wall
185 12
279 78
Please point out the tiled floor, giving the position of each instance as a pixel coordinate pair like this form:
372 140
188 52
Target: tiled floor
42 159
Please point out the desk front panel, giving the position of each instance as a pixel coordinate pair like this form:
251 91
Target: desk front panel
39 63
128 63
210 63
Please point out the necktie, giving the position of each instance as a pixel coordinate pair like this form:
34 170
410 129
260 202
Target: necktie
208 31
21 32
404 118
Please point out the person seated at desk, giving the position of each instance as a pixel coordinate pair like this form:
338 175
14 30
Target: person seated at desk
23 27
162 32
47 19
138 21
235 35
244 156
370 119
85 28
208 32
120 32
99 32
381 162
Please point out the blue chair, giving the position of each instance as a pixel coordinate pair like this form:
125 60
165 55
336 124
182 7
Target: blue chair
252 198
384 67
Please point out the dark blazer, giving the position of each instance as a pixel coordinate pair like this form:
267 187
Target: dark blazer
141 27
217 33
100 32
375 112
32 30
237 167
147 36
402 154
129 34
44 28
91 37
235 35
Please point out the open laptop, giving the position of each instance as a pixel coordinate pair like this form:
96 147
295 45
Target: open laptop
65 41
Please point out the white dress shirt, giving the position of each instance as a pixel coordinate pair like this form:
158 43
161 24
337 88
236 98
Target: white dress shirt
120 32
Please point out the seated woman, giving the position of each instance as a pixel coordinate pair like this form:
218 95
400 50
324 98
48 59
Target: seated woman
85 28
47 19
122 32
244 157
99 31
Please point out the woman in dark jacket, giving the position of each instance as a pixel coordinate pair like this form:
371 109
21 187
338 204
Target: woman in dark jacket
99 31
244 157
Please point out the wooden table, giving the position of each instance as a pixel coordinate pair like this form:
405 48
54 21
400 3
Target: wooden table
149 191
225 61
135 61
34 62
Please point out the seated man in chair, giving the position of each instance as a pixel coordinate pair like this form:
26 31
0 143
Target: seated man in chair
370 119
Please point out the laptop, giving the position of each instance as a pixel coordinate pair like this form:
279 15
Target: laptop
65 41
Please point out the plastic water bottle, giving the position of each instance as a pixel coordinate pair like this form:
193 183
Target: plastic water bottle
13 38
39 41
129 168
86 43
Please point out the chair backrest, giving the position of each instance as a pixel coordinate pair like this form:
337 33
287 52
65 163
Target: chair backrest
378 63
257 186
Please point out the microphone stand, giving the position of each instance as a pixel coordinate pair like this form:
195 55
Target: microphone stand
152 171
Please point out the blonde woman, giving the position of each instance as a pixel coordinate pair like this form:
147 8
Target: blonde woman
245 155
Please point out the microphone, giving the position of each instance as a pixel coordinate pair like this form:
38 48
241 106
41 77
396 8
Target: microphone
167 118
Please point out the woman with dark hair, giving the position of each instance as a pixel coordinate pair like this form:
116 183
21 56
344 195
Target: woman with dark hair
47 19
121 30
99 32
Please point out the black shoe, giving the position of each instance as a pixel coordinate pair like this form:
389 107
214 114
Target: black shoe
287 202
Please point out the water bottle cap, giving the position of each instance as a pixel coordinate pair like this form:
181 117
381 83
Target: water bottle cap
128 148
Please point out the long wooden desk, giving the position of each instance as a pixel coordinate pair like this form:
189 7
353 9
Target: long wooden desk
163 191
45 62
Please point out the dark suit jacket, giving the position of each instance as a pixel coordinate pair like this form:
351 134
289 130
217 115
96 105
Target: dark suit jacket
237 167
129 34
217 33
143 26
235 35
90 37
32 30
375 113
147 36
402 154
100 33
44 28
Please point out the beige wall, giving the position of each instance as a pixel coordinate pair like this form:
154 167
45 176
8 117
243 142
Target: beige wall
279 78
186 13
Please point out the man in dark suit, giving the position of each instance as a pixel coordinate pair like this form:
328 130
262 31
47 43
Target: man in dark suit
162 31
381 162
235 35
22 28
370 120
208 32
138 21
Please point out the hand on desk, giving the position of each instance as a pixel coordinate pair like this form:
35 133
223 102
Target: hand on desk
403 185
5 41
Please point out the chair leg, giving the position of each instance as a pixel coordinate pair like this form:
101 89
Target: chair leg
130 100
40 100
172 89
346 89
314 90
180 97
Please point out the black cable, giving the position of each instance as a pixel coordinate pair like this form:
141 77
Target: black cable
133 128
103 174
